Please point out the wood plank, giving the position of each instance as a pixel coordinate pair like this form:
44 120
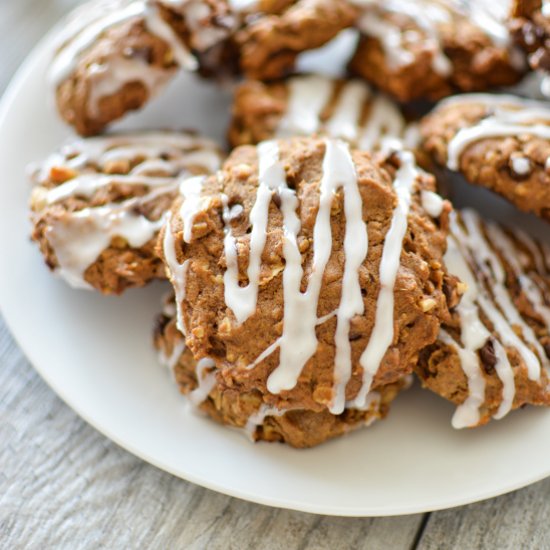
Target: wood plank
510 522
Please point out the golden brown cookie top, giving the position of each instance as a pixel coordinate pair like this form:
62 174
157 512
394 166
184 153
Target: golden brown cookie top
501 142
111 193
493 355
309 270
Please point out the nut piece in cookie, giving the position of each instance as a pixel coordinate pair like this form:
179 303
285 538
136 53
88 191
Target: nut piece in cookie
500 142
313 104
271 42
246 410
416 49
309 272
493 356
114 55
98 204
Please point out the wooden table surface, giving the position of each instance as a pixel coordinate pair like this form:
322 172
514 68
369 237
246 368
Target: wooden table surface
63 485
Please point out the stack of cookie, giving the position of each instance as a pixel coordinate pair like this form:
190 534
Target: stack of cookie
316 268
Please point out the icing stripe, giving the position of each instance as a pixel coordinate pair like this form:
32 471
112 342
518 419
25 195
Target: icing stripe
299 339
309 97
509 116
382 333
491 267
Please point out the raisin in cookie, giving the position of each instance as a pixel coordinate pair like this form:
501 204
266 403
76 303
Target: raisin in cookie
99 203
246 410
415 49
311 104
309 272
493 356
114 55
500 142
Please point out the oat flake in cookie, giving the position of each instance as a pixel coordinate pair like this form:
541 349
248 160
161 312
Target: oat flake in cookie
309 272
493 356
98 204
313 104
113 56
246 410
500 142
418 49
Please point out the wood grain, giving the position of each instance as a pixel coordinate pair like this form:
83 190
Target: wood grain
63 485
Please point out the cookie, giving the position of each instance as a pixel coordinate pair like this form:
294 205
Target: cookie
417 49
493 356
246 410
309 272
112 56
500 142
312 104
98 204
530 28
271 42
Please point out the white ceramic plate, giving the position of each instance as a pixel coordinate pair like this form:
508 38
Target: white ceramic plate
96 353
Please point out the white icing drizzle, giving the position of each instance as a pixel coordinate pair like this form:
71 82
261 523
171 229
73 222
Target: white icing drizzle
344 122
468 247
382 333
79 237
257 419
491 267
203 26
242 299
309 96
384 121
432 203
170 361
275 345
176 272
206 380
538 257
473 333
426 14
506 247
85 26
372 400
298 342
508 116
467 413
111 76
158 26
351 301
192 205
299 339
243 5
429 16
90 22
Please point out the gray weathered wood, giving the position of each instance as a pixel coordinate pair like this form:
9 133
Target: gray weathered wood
518 520
63 485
